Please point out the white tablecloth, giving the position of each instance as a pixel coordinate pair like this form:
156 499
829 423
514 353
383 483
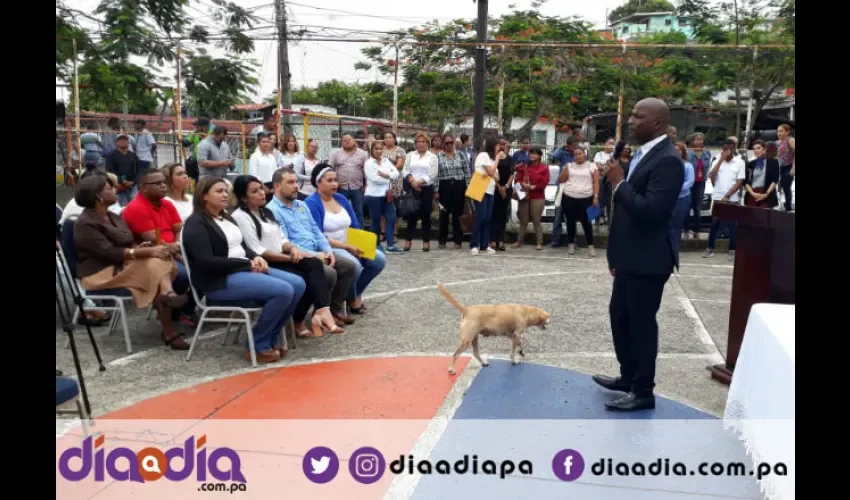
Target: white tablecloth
761 401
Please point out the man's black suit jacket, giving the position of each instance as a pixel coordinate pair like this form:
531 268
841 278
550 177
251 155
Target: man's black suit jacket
639 240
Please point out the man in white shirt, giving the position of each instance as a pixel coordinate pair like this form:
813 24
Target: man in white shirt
727 177
145 145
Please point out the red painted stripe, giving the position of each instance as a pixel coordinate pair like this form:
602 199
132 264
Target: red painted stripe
377 388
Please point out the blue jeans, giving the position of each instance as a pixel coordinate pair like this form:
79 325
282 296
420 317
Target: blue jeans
677 223
557 225
366 270
481 227
277 291
125 197
355 197
379 207
715 228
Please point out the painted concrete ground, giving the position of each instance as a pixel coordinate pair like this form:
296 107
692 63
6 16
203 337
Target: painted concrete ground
392 364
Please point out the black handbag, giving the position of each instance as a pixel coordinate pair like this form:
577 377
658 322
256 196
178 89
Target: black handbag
408 204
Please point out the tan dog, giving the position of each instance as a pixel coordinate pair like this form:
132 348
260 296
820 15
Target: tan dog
509 320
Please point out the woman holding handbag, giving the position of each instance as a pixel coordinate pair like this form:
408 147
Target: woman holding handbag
534 178
380 173
420 171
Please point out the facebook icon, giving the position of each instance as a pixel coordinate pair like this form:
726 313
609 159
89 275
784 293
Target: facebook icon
568 465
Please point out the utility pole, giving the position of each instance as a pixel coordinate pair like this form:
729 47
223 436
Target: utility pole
395 91
480 53
284 89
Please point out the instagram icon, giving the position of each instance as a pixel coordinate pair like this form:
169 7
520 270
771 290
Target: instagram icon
367 465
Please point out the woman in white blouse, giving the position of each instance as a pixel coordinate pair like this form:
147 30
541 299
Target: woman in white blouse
304 166
580 192
178 184
289 154
419 174
486 164
264 163
262 234
380 173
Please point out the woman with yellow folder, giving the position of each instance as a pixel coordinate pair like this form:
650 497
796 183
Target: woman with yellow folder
335 216
485 169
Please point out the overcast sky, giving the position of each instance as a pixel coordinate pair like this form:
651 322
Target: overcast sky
313 62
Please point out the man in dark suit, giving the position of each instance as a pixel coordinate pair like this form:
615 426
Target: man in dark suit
641 253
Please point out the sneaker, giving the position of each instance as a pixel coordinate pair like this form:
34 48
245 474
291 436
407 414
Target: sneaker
571 250
591 251
732 255
394 249
490 251
473 251
708 253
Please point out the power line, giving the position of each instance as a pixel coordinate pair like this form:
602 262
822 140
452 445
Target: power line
354 14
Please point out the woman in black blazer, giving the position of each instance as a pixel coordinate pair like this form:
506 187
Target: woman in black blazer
224 269
762 177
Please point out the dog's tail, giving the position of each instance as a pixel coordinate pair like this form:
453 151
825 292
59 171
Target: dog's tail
453 301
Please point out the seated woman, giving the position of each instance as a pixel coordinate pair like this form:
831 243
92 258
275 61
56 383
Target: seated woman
265 237
223 268
73 210
334 215
178 184
107 259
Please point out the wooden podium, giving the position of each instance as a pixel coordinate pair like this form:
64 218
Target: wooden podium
764 270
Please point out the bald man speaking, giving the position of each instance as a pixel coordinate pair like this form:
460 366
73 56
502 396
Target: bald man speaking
641 253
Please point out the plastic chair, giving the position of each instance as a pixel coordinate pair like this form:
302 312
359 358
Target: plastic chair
68 390
240 313
69 257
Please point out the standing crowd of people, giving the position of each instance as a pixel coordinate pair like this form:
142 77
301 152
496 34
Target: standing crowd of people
278 235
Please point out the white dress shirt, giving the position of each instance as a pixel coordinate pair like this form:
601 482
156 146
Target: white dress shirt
423 167
377 185
262 165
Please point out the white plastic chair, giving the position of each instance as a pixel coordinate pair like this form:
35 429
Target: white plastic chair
239 315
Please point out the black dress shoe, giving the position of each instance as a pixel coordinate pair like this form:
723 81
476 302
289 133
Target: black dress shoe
612 384
631 402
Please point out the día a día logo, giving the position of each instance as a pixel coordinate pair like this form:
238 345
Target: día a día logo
190 461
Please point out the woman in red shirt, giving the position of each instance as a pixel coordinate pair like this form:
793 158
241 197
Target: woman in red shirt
534 178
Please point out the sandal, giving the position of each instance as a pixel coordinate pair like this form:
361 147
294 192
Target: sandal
357 310
281 351
318 328
176 342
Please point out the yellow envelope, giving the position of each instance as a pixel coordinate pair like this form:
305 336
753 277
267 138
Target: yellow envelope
366 241
477 186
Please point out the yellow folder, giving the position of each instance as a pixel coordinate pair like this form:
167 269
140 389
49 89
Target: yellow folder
477 186
366 241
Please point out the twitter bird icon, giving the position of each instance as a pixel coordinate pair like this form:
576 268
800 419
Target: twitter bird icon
320 464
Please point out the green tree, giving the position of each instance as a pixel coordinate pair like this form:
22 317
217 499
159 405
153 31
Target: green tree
130 29
558 85
746 22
